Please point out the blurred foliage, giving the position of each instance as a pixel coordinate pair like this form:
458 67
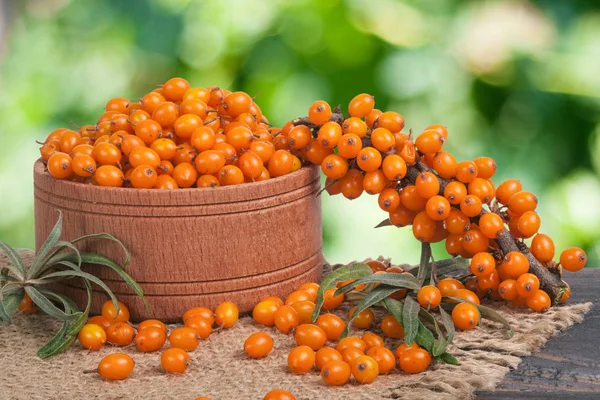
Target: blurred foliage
515 80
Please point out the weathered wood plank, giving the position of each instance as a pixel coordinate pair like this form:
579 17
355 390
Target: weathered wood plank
568 367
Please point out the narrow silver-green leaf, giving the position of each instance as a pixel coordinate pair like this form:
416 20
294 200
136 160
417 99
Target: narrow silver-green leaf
69 305
48 245
59 343
110 237
397 280
424 265
47 306
16 263
424 336
354 271
449 359
375 296
410 319
80 322
448 325
11 301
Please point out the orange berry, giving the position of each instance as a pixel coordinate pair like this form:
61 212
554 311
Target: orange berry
365 369
402 348
429 297
465 316
310 335
466 171
92 337
507 189
427 185
226 314
437 208
382 140
336 373
361 105
174 360
542 247
120 333
264 312
573 259
527 285
471 205
449 286
455 192
423 227
301 359
326 354
467 295
184 338
482 264
386 361
349 145
430 142
521 202
372 340
486 167
319 112
331 302
363 320
334 166
414 361
391 327
491 224
332 325
116 366
515 264
258 345
285 319
203 327
349 354
508 289
276 394
392 121
369 159
539 301
351 341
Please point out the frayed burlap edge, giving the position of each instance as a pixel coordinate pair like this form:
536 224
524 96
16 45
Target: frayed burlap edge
220 370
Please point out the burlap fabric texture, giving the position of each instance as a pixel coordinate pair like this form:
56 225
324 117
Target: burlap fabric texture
220 370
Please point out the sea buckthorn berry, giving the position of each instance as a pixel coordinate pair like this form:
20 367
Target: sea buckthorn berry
60 165
109 175
298 295
394 167
542 247
482 264
276 394
150 101
185 175
336 373
285 319
251 165
508 289
185 125
427 185
414 360
491 224
454 245
471 205
144 156
299 137
166 114
486 167
315 153
401 139
351 184
365 369
423 227
468 295
466 171
349 354
376 265
301 359
184 338
237 103
457 222
174 360
489 283
110 312
392 121
116 366
175 88
455 192
361 105
99 320
84 165
391 327
410 199
210 162
281 163
430 142
68 140
48 149
92 337
349 145
374 182
515 264
444 164
507 189
351 341
465 316
310 335
319 112
332 325
363 320
437 208
329 134
226 314
522 202
566 293
539 301
402 348
334 166
528 224
164 148
331 302
429 297
474 241
305 310
573 259
386 361
240 137
258 345
372 340
389 200
118 104
202 312
527 284
438 128
408 153
373 117
143 177
482 189
120 333
369 159
231 175
449 286
249 120
355 126
148 130
264 312
326 354
150 339
263 149
194 107
382 139
203 327
401 216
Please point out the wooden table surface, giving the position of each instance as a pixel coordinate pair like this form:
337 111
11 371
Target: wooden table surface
568 366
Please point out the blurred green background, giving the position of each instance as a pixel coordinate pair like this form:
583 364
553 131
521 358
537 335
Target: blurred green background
516 80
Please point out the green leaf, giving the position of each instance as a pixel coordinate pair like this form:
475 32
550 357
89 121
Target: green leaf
11 301
397 280
16 263
424 265
59 343
354 271
110 237
375 296
448 325
48 245
410 319
456 264
80 322
449 359
68 304
424 336
47 306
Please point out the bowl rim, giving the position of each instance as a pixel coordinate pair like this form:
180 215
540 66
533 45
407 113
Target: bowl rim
305 176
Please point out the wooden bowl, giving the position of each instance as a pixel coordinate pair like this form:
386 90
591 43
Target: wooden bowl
192 247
